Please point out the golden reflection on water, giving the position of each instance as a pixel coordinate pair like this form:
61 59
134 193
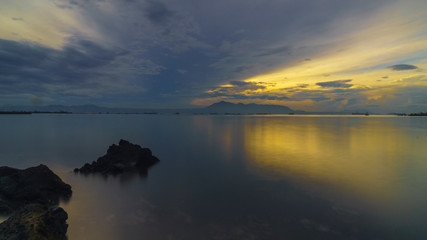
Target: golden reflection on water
362 157
104 208
99 224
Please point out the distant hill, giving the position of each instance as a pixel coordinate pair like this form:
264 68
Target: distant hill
252 108
216 108
88 108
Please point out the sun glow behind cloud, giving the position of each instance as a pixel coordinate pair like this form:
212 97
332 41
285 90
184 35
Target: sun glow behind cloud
317 56
362 57
44 22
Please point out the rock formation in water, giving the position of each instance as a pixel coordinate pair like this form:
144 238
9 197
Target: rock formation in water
30 197
125 157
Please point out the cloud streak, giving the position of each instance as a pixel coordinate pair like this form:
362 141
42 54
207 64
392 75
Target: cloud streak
158 13
402 67
336 84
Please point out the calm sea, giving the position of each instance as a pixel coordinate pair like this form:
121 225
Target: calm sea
235 177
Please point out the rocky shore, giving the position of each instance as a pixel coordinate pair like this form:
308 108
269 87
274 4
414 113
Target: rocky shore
31 197
35 222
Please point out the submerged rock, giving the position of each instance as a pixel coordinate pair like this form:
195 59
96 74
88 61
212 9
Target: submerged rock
125 157
35 222
32 185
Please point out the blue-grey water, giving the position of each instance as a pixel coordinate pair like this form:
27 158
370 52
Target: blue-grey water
235 177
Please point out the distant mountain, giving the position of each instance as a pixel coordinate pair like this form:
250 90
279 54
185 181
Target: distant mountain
252 108
216 108
87 108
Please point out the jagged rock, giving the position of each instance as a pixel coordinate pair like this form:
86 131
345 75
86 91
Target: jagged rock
125 157
30 197
32 185
35 222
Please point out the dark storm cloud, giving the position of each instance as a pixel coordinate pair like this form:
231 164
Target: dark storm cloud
402 67
336 84
157 12
80 67
85 54
240 83
274 51
20 59
245 97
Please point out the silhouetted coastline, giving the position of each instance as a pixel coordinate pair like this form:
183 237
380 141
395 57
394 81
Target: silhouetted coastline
14 112
420 114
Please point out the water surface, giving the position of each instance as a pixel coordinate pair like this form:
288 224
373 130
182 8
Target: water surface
236 177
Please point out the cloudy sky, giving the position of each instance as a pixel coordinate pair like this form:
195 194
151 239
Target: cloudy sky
313 55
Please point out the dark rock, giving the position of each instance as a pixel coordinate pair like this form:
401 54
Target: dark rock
125 157
35 222
32 185
31 196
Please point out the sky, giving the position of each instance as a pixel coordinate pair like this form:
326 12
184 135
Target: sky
312 55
